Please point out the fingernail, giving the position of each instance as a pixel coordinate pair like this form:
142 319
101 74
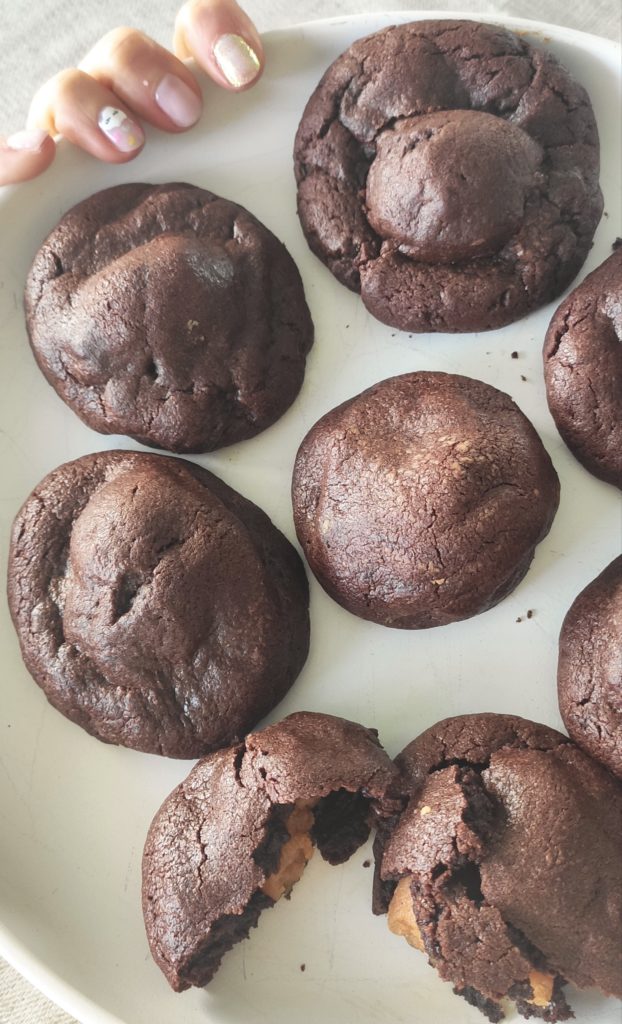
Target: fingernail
32 138
237 61
124 133
178 101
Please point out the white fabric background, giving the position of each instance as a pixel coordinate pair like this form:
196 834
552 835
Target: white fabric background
39 37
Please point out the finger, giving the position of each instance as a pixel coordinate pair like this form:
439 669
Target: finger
24 155
74 105
222 39
147 78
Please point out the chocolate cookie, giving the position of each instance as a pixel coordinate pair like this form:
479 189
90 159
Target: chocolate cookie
505 864
421 501
169 314
589 672
448 170
154 605
237 833
583 370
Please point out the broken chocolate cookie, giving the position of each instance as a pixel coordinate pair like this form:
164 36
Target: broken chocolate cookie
236 834
505 863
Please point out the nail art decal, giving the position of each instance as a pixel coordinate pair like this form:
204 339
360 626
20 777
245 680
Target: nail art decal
124 133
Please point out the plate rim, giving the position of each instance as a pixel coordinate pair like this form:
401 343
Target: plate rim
30 966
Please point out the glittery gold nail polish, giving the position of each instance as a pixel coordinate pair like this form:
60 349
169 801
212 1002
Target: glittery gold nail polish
236 59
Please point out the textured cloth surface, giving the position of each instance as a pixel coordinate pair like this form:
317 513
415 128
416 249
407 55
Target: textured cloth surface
20 1003
29 55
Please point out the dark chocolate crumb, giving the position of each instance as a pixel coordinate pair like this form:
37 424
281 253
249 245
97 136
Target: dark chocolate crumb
519 619
617 243
491 1009
303 967
530 613
514 355
522 377
366 863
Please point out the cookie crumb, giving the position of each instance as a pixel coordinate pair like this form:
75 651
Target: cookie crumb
366 863
617 243
303 967
514 355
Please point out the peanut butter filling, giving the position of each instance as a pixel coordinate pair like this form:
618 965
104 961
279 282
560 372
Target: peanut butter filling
401 916
542 986
295 853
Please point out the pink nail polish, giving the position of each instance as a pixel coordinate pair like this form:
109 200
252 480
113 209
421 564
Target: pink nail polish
123 132
178 101
31 139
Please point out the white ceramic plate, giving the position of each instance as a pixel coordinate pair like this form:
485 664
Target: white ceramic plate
74 812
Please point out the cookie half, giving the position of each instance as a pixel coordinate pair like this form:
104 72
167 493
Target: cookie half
505 863
583 370
448 171
420 501
236 835
169 314
589 671
155 606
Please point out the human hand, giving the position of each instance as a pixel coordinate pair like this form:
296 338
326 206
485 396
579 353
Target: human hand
127 77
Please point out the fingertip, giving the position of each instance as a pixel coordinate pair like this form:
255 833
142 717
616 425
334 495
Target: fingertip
25 155
223 41
87 114
147 79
